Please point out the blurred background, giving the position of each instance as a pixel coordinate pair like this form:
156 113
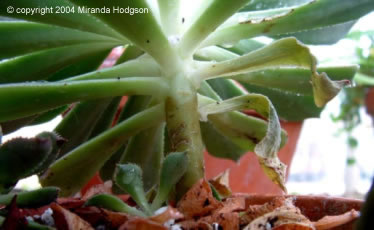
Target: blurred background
334 154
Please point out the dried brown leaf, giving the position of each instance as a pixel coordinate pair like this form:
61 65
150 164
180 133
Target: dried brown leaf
169 213
223 220
105 188
195 225
232 204
96 216
66 220
286 217
221 183
255 211
141 224
329 222
14 219
198 201
70 203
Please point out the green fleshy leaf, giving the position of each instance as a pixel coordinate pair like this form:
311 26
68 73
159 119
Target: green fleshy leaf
130 53
290 89
149 156
245 46
287 53
256 5
150 38
57 142
113 203
23 157
40 65
32 199
364 79
233 134
218 144
84 161
83 117
44 96
106 120
142 66
313 15
215 13
82 66
129 178
266 149
321 36
134 105
169 14
74 20
48 116
173 168
19 38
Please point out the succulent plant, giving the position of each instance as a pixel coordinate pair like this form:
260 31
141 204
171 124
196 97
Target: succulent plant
180 72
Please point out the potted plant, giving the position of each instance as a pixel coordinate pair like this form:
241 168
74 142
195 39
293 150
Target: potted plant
179 71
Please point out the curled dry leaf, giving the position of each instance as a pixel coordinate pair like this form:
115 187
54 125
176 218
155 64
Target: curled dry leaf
168 214
198 201
329 222
286 217
66 220
224 220
191 224
255 211
105 188
221 183
141 224
15 218
70 203
232 204
97 216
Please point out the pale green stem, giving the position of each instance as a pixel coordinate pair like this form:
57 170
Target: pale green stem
184 129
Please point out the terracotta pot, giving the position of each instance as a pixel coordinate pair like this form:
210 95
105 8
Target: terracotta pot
314 207
246 176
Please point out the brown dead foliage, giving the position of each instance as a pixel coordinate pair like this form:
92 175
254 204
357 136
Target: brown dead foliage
329 222
198 209
168 214
285 217
198 201
221 184
142 224
105 188
14 219
66 220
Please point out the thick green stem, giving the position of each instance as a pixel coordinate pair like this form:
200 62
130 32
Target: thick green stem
184 129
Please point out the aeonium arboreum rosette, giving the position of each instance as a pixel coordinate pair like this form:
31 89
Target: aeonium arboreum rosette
180 72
